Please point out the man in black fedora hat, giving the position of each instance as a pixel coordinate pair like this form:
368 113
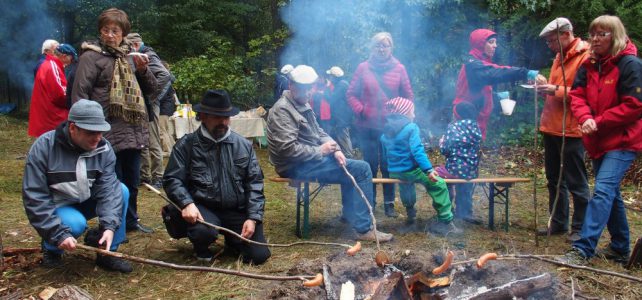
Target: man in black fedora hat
213 175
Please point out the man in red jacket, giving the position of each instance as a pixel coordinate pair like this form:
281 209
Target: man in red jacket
48 102
560 130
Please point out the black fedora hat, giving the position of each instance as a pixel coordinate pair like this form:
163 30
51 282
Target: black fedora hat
218 103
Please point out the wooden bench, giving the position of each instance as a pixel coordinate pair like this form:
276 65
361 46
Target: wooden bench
497 192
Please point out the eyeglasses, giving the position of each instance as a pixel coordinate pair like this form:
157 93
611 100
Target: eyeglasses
113 31
599 35
551 41
382 47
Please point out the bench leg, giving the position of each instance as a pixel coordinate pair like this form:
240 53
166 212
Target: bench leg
491 206
306 210
299 203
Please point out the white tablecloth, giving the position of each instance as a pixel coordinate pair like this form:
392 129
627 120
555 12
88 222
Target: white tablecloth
247 127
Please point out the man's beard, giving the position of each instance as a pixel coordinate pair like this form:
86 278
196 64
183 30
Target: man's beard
219 131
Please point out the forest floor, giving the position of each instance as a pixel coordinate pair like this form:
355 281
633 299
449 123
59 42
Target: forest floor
414 250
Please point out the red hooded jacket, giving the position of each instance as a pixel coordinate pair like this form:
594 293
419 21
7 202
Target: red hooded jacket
477 75
48 103
609 91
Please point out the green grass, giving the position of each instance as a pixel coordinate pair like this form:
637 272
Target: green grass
150 282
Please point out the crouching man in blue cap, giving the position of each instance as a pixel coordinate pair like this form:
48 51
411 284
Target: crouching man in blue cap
69 178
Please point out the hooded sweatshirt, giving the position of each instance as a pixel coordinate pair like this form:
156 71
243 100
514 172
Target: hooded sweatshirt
477 75
609 90
402 145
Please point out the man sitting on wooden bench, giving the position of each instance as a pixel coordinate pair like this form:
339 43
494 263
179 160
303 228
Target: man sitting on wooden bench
300 149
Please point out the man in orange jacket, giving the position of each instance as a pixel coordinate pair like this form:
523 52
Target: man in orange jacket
560 129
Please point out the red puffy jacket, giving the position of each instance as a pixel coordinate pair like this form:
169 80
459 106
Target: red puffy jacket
609 91
48 103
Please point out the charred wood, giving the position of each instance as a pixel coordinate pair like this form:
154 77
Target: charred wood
518 288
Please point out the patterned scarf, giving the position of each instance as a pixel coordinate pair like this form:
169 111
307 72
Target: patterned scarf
125 96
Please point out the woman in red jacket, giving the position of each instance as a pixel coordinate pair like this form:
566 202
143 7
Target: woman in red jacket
607 101
376 80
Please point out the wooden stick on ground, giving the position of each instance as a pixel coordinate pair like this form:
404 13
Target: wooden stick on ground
220 228
194 268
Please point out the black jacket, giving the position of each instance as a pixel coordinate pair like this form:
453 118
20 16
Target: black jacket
221 176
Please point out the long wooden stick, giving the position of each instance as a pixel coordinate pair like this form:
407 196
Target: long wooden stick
547 258
220 228
365 199
194 268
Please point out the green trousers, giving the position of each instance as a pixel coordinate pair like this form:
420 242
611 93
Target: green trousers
437 190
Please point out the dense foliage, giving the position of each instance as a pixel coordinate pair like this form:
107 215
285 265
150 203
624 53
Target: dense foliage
239 45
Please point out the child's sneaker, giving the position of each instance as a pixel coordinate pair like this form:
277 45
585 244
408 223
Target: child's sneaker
441 228
389 210
411 213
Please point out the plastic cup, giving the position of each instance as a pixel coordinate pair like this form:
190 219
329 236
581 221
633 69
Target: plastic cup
507 106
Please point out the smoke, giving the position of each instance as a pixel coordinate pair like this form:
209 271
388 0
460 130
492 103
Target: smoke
427 40
24 25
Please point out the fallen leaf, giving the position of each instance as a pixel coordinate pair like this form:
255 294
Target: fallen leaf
47 293
134 281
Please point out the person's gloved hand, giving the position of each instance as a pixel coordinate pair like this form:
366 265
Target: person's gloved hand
532 74
503 95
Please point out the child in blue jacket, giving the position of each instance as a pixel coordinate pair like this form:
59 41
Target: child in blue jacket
460 145
407 161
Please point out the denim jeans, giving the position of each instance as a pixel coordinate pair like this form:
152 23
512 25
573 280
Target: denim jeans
574 180
128 172
372 150
462 194
606 208
75 217
327 170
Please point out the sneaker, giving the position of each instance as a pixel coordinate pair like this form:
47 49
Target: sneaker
445 228
157 183
111 263
204 255
389 210
610 254
573 257
139 227
51 259
370 236
411 212
574 236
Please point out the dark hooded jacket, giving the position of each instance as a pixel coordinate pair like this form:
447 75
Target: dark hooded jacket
93 81
58 173
609 90
477 75
402 145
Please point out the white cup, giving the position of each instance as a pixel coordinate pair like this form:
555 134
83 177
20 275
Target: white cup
507 106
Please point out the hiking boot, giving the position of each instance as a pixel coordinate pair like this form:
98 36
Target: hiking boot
370 236
157 183
51 259
411 213
573 257
544 232
111 263
610 254
441 228
389 210
574 236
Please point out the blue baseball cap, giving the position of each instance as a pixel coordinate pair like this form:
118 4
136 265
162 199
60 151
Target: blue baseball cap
67 49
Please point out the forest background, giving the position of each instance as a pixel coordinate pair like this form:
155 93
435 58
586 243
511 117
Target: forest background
240 45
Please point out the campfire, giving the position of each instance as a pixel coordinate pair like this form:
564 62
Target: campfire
411 275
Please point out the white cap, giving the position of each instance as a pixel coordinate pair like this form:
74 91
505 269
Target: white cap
303 74
335 71
563 23
286 69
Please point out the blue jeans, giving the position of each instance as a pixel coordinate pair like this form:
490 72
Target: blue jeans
75 217
462 195
128 172
606 208
372 150
327 170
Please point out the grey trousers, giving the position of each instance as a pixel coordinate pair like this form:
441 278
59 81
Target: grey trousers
151 166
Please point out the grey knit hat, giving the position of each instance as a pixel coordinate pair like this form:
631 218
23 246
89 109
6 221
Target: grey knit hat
88 115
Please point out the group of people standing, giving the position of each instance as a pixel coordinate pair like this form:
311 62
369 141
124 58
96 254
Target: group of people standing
89 165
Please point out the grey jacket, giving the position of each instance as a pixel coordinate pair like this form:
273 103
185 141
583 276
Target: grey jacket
163 81
293 134
93 81
57 173
222 175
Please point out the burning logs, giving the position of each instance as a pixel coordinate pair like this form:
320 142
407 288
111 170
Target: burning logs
515 289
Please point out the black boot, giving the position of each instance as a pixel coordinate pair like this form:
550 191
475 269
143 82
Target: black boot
111 263
412 215
389 209
51 259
